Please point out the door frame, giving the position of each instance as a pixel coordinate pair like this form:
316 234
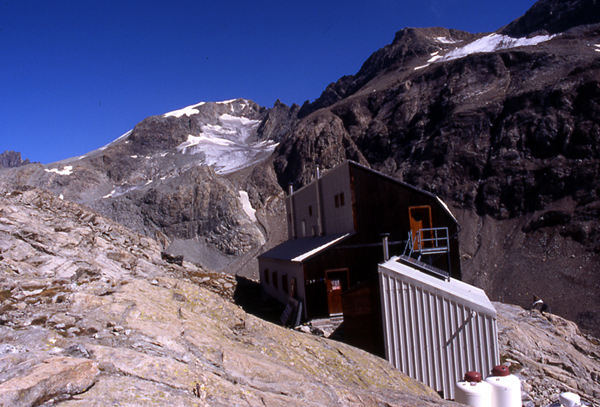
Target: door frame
334 295
424 211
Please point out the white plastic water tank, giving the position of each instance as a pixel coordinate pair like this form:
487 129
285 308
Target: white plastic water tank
506 388
569 400
473 391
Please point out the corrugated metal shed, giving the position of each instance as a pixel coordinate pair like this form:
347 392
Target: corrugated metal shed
435 330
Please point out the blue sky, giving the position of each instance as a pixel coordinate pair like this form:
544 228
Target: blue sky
76 74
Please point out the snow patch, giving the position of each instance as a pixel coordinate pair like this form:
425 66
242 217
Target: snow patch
434 57
247 206
66 170
121 137
445 40
188 111
225 102
494 42
226 145
489 43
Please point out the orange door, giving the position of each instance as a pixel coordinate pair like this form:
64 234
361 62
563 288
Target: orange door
420 218
336 283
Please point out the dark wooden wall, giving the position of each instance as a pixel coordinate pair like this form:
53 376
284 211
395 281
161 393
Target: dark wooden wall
381 206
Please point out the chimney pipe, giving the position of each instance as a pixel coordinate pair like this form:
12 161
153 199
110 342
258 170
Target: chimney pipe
292 214
386 248
319 209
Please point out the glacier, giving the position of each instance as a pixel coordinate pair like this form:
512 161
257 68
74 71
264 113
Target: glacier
227 146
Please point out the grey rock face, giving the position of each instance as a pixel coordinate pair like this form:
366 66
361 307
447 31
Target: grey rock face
549 354
92 316
11 159
554 16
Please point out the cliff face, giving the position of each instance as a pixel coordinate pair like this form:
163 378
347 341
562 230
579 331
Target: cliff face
11 159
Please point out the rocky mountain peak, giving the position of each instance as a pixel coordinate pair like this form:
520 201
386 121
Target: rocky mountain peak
409 44
187 177
205 126
554 16
11 159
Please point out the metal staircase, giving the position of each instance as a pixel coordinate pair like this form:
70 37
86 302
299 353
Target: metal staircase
432 243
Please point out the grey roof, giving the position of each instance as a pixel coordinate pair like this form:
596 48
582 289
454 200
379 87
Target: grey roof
299 250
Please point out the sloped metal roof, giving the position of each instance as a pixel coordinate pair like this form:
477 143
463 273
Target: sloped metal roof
299 250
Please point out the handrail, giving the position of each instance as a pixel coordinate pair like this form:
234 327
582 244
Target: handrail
428 240
437 236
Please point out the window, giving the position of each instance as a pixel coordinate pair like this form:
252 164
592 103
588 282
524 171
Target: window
284 283
275 282
303 228
339 200
309 210
266 276
289 217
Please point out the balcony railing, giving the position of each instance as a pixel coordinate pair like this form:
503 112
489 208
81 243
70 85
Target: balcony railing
429 242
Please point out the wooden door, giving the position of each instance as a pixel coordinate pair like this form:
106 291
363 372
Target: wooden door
336 282
420 218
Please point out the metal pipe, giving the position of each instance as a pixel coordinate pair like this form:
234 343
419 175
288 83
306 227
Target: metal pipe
386 248
292 214
319 212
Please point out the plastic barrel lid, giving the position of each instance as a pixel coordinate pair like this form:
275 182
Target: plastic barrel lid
500 370
472 377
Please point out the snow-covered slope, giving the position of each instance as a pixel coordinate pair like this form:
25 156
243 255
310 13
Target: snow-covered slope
228 146
489 43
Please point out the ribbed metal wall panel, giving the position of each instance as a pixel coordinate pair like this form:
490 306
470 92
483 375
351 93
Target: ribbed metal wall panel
435 331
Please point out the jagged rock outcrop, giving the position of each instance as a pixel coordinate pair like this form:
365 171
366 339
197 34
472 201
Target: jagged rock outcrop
554 16
11 159
408 45
92 316
549 354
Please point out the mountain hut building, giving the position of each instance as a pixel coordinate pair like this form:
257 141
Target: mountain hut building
343 229
335 228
